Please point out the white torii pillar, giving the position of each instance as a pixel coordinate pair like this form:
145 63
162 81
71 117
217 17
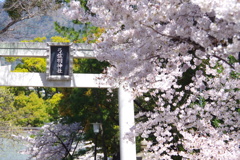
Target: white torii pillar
126 121
126 106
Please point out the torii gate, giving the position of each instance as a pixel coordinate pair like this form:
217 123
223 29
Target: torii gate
23 79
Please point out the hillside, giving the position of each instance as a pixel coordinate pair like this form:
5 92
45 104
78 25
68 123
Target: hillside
32 28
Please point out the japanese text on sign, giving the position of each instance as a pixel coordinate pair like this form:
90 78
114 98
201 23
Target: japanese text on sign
59 64
59 60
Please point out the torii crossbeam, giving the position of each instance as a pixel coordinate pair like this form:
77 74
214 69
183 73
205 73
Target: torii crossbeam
21 49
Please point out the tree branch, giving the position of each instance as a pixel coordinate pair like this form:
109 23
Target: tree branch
5 29
8 26
224 61
140 106
64 146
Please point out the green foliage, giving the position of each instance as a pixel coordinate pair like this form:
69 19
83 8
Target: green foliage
26 110
19 90
37 39
235 75
31 65
93 105
88 66
70 33
216 122
14 12
52 104
84 4
31 110
11 59
6 104
21 70
88 33
60 39
232 59
219 68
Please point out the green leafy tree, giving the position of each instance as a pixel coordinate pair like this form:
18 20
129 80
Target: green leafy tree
31 110
93 105
53 104
35 106
6 104
7 126
27 109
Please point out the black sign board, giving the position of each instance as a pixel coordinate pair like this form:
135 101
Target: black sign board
59 60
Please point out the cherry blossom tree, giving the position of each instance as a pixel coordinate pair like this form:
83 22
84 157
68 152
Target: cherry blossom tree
54 141
184 55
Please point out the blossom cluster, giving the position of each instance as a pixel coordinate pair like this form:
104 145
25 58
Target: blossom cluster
53 141
183 53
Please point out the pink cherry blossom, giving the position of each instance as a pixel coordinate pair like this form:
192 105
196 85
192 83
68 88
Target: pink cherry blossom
177 51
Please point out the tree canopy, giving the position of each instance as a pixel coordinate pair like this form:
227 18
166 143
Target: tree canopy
19 10
6 104
183 54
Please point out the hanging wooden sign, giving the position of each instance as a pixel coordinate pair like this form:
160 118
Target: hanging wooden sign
59 62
